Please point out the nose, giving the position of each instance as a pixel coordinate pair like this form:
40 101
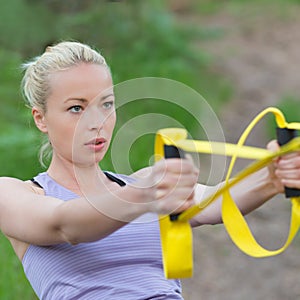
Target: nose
95 119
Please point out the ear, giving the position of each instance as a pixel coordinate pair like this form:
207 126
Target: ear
39 119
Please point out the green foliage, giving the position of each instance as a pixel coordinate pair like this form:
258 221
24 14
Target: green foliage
138 38
18 142
13 283
289 105
26 27
141 41
144 40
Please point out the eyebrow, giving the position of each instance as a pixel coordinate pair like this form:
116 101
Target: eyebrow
83 100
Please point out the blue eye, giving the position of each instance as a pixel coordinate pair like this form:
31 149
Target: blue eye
108 104
75 109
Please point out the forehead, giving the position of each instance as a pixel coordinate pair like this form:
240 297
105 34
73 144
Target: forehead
83 80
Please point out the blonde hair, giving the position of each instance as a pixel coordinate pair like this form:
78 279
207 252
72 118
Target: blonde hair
35 83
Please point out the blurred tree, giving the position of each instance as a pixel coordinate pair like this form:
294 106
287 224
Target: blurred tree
139 38
66 6
25 27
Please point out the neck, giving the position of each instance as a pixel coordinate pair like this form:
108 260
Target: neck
79 179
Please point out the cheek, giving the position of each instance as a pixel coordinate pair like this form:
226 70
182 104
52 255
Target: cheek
111 122
63 133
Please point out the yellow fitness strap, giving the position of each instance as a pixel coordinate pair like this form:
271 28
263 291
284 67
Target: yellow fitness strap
176 234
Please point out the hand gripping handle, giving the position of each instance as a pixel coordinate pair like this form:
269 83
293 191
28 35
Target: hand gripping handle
284 135
173 152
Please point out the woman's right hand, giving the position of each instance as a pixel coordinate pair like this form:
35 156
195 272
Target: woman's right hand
170 185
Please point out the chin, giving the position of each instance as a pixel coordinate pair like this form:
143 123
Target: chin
87 161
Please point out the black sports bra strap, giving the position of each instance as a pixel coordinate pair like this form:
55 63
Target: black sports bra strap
115 179
36 183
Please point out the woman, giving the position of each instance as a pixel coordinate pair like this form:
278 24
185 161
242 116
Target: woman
82 233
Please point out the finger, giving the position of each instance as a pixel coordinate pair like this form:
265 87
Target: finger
291 161
169 204
180 194
291 183
161 193
190 159
273 146
288 174
173 181
184 206
175 165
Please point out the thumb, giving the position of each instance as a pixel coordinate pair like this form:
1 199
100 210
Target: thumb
273 146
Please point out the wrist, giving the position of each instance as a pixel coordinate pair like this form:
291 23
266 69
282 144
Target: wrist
266 185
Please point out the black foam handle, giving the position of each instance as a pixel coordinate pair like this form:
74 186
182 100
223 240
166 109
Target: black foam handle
173 152
284 135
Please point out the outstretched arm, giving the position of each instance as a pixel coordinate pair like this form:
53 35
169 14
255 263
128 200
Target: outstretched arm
255 190
36 219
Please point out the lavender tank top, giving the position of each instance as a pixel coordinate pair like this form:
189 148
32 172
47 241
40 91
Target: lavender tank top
126 265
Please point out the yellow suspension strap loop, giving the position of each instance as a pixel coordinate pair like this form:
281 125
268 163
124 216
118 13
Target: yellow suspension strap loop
233 219
176 236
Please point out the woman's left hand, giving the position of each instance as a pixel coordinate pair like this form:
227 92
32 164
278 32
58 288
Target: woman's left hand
285 170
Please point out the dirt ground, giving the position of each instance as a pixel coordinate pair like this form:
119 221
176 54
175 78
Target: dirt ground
259 54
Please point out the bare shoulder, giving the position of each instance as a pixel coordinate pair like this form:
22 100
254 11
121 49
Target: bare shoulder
9 187
12 190
8 184
23 216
